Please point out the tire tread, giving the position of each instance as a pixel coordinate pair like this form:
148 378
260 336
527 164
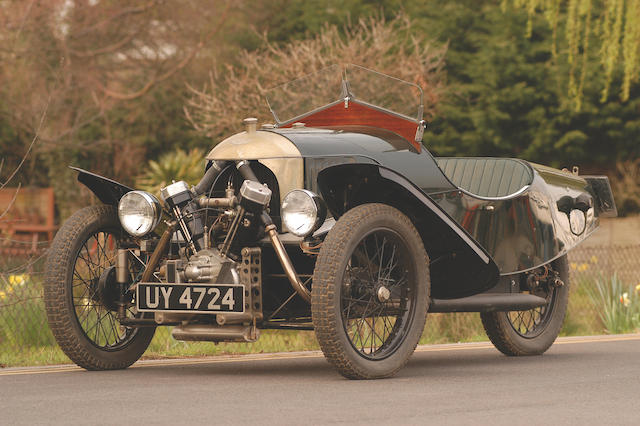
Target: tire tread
324 296
62 320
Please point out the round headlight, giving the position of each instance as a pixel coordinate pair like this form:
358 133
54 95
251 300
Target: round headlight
302 212
139 212
577 221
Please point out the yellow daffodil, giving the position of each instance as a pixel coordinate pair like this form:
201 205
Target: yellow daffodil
3 295
624 299
18 279
583 267
574 266
594 259
638 288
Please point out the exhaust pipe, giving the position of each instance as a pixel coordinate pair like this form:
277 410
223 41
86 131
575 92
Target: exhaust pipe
212 333
289 270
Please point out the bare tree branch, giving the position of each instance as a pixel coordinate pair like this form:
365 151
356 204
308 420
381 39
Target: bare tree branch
107 49
23 21
121 14
33 141
171 72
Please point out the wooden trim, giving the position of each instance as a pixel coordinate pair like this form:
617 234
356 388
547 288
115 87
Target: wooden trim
363 115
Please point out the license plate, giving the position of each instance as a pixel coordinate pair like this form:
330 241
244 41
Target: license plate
190 298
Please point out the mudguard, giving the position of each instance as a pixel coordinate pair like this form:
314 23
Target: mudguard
107 190
527 228
460 267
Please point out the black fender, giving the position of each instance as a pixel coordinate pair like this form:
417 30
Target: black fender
460 267
107 190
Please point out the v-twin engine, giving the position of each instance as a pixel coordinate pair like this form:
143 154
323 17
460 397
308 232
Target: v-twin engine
209 267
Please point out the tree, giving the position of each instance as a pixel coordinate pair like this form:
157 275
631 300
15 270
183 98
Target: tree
97 67
614 27
392 47
507 98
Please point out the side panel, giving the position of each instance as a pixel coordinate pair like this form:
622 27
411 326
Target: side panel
459 266
107 190
531 228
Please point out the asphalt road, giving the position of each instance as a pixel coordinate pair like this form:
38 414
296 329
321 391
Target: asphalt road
578 381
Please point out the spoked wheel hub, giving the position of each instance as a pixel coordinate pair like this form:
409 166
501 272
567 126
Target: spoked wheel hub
107 291
383 294
532 332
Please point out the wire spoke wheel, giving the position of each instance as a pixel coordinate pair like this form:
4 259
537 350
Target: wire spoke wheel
370 292
533 331
95 314
82 295
377 290
531 323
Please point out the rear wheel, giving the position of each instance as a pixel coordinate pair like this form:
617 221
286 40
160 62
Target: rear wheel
81 295
531 332
370 292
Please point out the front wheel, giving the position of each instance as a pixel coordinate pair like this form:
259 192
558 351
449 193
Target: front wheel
81 296
370 292
531 332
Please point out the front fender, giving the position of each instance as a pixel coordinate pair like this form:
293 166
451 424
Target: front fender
107 190
460 267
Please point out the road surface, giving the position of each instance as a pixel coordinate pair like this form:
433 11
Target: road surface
578 381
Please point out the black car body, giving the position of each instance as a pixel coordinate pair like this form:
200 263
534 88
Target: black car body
449 234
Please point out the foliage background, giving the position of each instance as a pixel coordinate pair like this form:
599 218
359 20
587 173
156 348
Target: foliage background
114 78
106 85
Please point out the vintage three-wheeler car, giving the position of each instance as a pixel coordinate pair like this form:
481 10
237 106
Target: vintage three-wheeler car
334 219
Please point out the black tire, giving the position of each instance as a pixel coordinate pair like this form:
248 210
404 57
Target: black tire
531 332
347 297
87 331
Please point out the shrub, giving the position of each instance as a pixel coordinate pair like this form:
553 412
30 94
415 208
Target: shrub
618 305
175 165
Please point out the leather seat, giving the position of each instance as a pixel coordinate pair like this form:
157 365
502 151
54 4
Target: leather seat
487 177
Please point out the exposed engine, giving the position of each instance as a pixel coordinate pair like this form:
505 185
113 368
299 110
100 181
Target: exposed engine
206 266
206 231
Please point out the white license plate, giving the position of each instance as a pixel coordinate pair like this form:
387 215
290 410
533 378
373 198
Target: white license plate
190 298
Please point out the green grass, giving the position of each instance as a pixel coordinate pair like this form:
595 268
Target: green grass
441 328
453 328
619 302
164 346
581 318
31 356
26 340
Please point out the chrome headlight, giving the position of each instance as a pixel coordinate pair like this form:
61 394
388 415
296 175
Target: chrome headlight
577 221
139 212
302 212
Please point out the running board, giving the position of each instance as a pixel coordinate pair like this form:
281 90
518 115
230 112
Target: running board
488 302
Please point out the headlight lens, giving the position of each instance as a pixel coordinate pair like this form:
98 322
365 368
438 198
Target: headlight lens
302 212
139 212
577 221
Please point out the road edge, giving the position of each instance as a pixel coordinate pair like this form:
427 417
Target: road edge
8 371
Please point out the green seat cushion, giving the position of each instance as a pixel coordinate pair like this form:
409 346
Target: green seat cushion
487 177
